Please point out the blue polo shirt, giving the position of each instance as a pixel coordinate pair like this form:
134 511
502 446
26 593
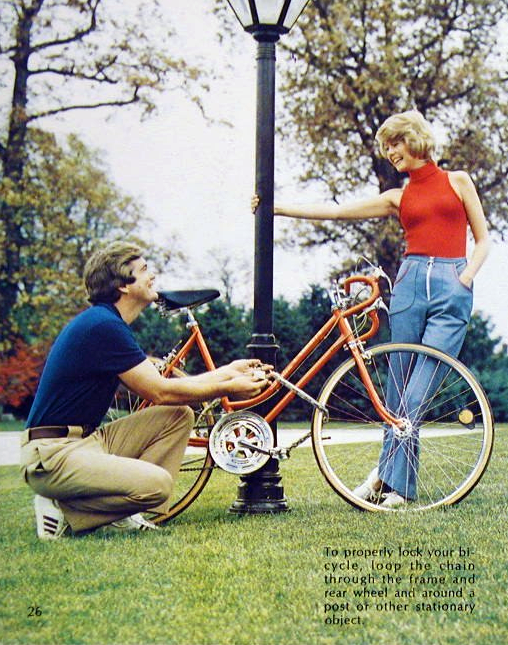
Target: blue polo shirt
80 376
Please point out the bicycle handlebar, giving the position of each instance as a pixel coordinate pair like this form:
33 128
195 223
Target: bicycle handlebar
372 281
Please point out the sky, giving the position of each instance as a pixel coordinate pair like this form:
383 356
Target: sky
193 176
196 177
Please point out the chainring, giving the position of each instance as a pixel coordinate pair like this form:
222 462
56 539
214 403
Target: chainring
227 437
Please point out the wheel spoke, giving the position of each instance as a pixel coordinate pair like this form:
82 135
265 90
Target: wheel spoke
197 464
443 447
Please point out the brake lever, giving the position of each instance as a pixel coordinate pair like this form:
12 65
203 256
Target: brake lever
380 273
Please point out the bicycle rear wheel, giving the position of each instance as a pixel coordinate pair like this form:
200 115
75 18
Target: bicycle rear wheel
445 444
195 470
197 463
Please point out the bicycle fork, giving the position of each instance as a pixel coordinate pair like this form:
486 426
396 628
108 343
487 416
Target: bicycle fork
362 358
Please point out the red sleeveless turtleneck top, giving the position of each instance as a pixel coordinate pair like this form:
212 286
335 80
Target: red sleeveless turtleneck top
432 215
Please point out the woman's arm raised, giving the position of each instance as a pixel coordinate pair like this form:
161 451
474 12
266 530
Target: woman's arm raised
382 205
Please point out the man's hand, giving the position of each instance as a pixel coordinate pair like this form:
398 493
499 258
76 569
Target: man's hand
241 379
245 378
249 379
245 387
246 367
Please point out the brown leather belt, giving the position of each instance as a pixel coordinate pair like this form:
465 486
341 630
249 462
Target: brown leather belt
55 432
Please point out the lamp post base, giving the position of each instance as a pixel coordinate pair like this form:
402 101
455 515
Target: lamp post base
261 492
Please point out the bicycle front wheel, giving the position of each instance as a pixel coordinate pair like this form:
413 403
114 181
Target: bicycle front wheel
440 453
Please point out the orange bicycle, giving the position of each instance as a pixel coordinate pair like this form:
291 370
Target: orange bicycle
451 423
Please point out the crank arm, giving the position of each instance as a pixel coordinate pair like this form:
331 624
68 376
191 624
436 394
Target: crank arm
276 453
245 444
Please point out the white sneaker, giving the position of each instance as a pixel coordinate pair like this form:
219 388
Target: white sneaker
134 523
392 500
51 523
370 487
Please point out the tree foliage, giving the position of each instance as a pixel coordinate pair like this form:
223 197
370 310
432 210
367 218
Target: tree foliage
61 55
227 329
487 358
351 65
65 206
228 271
19 376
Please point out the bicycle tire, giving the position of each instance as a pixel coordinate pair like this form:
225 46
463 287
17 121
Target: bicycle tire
197 464
187 490
452 434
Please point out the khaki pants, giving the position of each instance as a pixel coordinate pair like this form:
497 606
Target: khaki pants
127 466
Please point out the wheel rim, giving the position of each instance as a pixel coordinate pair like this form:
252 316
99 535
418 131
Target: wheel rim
451 433
195 471
197 463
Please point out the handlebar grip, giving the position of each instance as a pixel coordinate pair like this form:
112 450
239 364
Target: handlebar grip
370 280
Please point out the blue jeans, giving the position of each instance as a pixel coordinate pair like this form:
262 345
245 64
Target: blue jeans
429 305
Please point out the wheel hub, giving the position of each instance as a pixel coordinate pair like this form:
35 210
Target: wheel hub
405 430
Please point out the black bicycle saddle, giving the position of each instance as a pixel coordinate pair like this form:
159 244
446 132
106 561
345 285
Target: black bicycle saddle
179 299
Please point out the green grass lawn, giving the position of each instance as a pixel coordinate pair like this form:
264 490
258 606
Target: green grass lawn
11 425
211 577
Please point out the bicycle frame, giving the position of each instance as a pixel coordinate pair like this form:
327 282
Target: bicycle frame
347 338
349 409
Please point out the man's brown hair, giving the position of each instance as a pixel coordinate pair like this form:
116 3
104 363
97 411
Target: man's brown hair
108 269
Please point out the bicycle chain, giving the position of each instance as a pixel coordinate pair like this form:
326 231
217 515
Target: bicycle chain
289 448
190 470
299 441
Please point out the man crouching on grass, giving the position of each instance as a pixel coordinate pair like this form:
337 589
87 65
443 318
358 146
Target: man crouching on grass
86 476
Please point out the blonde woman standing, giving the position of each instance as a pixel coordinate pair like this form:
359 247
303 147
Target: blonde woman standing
432 296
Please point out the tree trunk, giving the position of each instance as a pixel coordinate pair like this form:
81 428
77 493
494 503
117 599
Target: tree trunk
13 162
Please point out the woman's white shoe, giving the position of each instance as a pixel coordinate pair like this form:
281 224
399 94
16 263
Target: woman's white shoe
392 500
370 488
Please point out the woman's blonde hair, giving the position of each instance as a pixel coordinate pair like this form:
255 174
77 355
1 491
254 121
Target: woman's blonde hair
108 269
410 127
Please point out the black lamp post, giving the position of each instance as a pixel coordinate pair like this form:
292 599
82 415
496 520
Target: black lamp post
266 20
